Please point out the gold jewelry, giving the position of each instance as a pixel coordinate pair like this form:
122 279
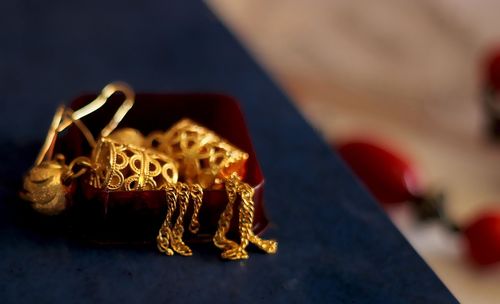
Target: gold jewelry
125 167
211 161
129 136
97 103
203 156
48 183
44 187
182 162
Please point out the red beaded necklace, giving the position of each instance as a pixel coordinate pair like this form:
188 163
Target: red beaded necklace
392 179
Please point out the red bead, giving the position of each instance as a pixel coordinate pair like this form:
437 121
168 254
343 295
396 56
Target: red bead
492 68
483 238
388 176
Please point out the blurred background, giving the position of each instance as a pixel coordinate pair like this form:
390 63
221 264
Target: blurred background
406 72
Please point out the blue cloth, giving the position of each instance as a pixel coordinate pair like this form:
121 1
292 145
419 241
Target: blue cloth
335 243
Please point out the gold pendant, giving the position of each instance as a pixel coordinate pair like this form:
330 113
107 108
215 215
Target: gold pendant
44 187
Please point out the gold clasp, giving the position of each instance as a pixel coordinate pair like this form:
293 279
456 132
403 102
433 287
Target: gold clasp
64 117
97 103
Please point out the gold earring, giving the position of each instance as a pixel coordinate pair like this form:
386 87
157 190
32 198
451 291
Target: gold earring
49 183
207 159
126 167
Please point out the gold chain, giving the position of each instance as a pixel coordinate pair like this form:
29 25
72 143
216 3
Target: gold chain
220 240
178 229
197 197
165 234
178 198
232 250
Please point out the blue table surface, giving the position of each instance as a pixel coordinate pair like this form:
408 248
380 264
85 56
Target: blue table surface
336 244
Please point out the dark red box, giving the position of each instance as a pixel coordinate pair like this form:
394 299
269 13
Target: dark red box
135 217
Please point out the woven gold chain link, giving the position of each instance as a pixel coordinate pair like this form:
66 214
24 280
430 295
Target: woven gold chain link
178 196
232 250
197 197
165 234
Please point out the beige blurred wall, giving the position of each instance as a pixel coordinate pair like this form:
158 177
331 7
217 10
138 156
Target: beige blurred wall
413 55
401 70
